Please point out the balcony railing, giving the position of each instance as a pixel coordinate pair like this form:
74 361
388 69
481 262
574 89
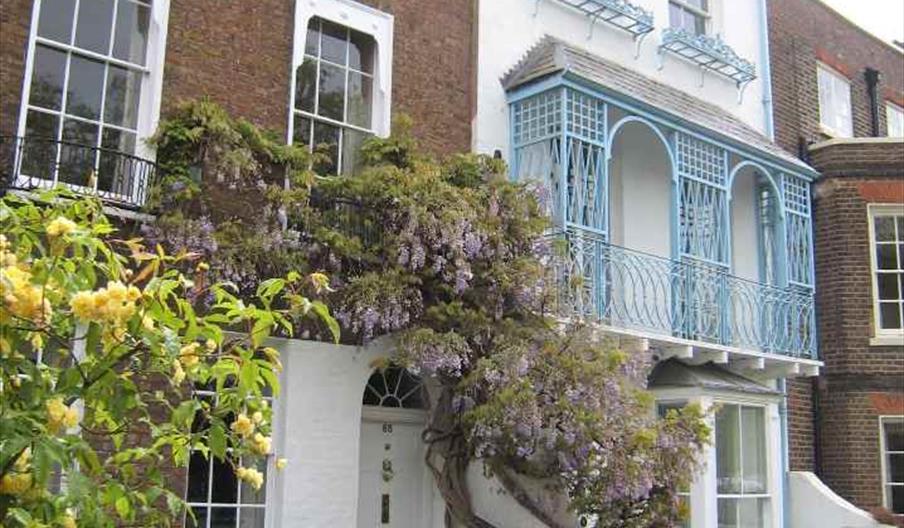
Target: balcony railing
28 163
632 290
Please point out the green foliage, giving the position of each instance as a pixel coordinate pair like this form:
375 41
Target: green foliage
101 341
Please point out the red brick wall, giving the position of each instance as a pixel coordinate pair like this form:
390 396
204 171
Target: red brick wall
804 31
859 382
239 54
15 20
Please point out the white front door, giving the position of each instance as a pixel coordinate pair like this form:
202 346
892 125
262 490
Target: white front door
395 488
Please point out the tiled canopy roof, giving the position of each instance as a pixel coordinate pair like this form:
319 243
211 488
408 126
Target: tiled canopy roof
550 56
675 374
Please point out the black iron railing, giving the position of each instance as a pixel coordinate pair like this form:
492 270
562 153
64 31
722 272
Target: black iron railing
28 163
350 217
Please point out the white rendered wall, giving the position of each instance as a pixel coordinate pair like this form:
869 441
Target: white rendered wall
744 237
640 191
815 504
507 29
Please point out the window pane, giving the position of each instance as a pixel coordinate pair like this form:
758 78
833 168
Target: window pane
361 52
222 517
55 20
886 257
249 494
360 92
894 436
77 158
352 140
95 21
115 169
728 464
888 286
225 484
47 78
198 478
123 95
334 44
890 315
331 101
301 131
699 24
306 85
885 228
896 468
252 518
754 445
897 499
132 21
312 42
326 145
751 514
728 513
39 156
86 80
200 518
675 16
900 228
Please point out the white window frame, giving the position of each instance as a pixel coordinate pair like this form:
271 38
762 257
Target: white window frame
873 211
704 496
894 114
838 80
151 79
358 17
270 481
883 451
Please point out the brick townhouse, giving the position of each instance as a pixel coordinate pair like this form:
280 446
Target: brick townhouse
649 123
838 95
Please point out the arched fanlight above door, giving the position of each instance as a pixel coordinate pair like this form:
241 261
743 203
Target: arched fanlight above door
395 387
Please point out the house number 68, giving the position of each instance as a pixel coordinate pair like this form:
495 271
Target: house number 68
387 428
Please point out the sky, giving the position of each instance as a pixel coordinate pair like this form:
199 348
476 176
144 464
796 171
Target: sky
883 18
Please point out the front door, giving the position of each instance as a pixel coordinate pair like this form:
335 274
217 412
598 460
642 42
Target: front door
394 485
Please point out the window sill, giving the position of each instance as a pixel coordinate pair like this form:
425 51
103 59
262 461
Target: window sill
832 133
887 340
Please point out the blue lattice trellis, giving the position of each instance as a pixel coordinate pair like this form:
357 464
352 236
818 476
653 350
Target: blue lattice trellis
702 199
538 117
586 117
796 194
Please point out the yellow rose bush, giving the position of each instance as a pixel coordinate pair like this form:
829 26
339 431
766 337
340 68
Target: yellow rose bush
101 341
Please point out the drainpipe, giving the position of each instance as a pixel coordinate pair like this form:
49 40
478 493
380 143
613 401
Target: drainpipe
766 69
873 77
786 464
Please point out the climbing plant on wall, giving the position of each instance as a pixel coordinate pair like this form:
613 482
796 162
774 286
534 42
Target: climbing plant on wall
453 259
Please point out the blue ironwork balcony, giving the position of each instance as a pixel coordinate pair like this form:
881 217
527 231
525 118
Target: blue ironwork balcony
710 53
688 299
622 14
118 178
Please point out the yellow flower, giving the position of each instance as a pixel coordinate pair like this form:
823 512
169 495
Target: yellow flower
59 416
242 426
202 266
261 444
15 483
257 417
189 356
82 304
113 304
60 226
21 298
211 345
250 475
178 372
68 521
281 464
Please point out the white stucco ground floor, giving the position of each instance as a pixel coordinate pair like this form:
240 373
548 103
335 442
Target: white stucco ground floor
356 455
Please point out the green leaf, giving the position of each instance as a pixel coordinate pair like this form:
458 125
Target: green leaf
123 507
217 440
323 312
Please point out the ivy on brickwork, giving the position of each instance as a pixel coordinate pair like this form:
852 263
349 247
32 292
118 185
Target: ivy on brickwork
449 257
